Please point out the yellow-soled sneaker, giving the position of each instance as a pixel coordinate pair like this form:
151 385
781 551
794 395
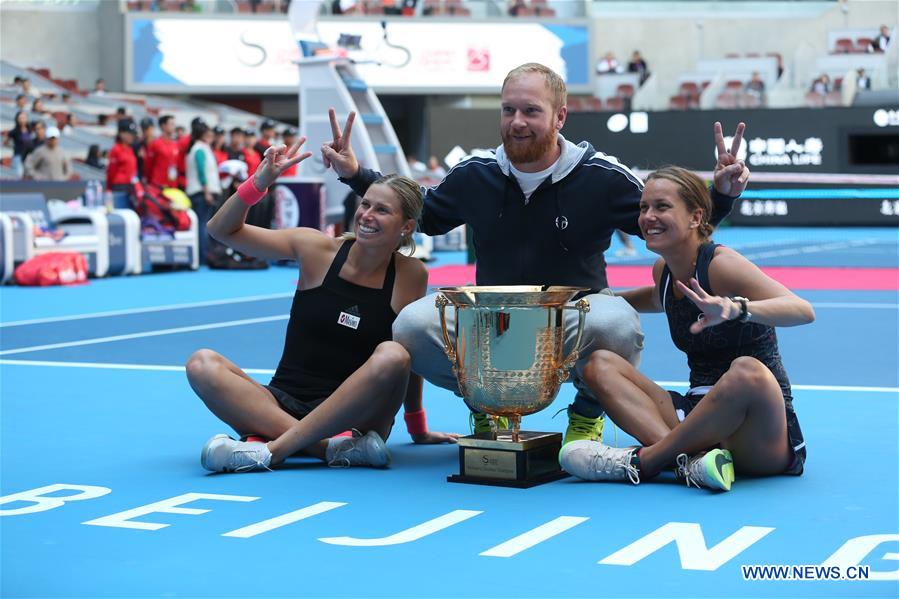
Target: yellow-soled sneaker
582 428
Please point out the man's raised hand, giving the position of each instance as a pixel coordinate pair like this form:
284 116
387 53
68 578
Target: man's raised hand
731 175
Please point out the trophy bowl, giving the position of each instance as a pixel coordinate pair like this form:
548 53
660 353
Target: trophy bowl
509 356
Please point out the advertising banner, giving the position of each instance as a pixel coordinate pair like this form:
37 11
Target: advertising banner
225 55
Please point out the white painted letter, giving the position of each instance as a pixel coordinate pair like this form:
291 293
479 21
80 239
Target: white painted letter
534 536
40 503
289 518
166 506
854 551
691 547
408 535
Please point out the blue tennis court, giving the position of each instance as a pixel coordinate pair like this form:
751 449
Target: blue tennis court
104 496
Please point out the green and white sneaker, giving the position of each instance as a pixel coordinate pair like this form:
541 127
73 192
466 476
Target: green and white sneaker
480 423
711 470
582 428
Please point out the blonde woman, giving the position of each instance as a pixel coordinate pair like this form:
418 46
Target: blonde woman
339 369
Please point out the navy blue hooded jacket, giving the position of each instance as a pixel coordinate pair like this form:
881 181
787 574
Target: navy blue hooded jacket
558 235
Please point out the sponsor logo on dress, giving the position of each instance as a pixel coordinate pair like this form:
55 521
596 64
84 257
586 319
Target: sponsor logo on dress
348 320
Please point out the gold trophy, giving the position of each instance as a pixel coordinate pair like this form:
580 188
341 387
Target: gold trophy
509 361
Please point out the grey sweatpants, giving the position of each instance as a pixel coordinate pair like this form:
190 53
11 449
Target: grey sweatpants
611 324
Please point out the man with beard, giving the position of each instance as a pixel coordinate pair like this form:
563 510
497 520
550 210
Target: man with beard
542 211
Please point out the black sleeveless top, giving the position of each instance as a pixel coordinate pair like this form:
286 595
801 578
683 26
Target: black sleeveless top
710 353
333 329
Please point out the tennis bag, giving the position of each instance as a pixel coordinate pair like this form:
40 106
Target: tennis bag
52 268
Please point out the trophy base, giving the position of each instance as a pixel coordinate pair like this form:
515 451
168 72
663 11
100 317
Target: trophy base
532 460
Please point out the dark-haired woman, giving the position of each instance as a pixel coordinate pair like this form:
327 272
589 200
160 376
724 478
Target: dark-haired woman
738 415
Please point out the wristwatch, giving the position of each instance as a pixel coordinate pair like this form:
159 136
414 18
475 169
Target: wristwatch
745 314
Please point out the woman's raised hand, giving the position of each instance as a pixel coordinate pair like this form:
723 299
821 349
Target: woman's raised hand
715 309
276 160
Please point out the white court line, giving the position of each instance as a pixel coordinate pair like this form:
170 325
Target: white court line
855 305
113 366
810 249
236 300
96 340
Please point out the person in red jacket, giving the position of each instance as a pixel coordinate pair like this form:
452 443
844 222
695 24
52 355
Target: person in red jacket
250 155
289 137
163 155
121 173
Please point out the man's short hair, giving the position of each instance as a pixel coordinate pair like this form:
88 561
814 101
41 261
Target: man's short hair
554 83
165 119
236 130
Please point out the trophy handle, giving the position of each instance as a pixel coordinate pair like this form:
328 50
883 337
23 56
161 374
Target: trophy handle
582 306
441 302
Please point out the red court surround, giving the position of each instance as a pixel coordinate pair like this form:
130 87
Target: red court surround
860 279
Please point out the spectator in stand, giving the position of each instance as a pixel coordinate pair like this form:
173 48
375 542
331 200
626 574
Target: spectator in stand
203 184
121 115
250 155
22 141
21 102
37 108
516 8
163 155
608 64
99 88
180 131
416 166
821 85
121 173
435 171
218 145
288 138
236 145
267 137
28 89
862 80
71 123
49 162
880 43
756 87
39 129
638 65
95 157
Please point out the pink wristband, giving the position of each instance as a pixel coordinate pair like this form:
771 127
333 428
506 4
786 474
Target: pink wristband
248 193
416 423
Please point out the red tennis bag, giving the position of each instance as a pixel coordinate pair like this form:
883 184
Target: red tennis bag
53 268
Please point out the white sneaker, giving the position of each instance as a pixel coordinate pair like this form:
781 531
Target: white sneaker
223 454
591 460
359 450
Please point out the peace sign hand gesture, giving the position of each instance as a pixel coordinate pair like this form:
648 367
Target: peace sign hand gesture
339 153
276 160
715 309
731 175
